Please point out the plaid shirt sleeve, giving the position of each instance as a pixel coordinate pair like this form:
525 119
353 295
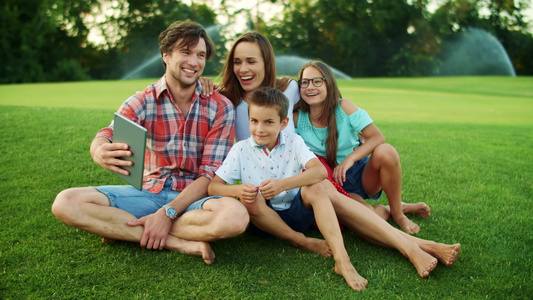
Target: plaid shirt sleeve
220 138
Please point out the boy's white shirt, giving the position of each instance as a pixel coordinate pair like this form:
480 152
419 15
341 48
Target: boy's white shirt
252 163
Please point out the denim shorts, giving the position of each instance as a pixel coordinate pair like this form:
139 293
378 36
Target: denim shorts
354 180
297 216
142 203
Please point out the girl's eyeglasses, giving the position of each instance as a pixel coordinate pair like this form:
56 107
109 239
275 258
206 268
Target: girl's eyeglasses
317 82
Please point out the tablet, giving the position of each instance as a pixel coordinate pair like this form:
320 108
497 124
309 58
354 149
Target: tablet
133 134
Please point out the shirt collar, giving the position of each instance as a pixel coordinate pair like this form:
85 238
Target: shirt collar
281 141
161 86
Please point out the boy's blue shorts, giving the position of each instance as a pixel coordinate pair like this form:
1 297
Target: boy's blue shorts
354 180
142 203
297 216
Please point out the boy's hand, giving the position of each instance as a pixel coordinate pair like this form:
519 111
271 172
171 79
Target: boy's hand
248 192
270 188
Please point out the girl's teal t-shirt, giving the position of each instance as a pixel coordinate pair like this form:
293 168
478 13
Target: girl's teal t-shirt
347 127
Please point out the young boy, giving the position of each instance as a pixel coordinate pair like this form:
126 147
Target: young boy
281 199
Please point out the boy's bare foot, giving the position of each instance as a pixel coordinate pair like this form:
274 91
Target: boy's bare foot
202 249
316 246
407 225
354 280
447 254
423 262
420 209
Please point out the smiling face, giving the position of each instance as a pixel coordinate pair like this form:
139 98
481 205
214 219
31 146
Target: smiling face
185 65
311 94
249 66
266 124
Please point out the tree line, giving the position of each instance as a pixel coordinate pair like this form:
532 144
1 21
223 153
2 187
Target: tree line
48 40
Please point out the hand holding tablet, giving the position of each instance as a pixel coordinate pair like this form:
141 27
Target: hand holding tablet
128 132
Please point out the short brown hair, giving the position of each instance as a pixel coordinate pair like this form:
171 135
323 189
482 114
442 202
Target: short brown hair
269 97
189 32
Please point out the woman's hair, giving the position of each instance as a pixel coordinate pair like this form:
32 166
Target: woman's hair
269 97
189 32
230 85
328 110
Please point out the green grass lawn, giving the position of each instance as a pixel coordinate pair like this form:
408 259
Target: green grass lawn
466 149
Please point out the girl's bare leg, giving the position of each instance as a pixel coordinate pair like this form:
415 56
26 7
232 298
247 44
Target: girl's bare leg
370 226
383 171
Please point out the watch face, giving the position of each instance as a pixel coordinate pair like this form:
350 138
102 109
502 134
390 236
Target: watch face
171 212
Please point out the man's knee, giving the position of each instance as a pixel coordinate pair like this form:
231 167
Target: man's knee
64 206
67 205
232 218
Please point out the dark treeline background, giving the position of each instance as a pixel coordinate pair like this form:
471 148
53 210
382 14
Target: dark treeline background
47 40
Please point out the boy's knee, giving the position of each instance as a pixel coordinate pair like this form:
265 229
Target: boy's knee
312 190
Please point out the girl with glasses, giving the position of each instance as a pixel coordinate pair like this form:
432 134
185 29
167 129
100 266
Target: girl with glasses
345 136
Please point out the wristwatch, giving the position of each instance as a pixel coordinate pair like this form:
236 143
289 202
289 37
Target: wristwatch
171 212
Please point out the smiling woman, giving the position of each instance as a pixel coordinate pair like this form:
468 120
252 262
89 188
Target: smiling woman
251 64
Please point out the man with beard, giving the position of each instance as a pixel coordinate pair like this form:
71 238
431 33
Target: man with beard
188 137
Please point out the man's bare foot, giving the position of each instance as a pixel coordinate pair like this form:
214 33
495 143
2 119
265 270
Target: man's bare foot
354 280
407 225
202 249
423 262
420 209
446 254
316 246
108 241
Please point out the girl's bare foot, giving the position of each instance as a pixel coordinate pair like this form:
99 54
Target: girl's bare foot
316 246
420 209
407 225
354 280
423 262
447 254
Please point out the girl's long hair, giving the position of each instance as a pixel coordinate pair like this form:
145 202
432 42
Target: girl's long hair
328 110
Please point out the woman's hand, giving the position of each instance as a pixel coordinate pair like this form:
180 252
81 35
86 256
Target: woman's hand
207 86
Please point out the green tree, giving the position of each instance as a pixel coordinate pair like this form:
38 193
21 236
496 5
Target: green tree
43 40
140 27
361 38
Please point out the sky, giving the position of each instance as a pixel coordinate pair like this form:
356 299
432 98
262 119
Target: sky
267 10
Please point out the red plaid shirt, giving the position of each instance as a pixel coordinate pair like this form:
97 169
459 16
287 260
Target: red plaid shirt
178 147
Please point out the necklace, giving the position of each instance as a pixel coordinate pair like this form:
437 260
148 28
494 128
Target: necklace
316 135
